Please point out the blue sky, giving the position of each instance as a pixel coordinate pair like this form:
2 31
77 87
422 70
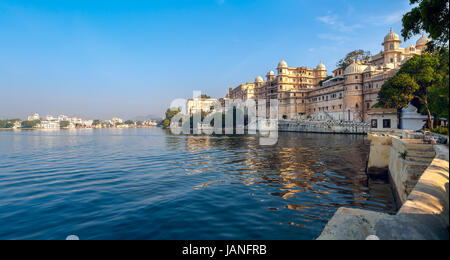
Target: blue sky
99 59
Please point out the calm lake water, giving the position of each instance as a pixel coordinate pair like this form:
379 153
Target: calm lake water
148 184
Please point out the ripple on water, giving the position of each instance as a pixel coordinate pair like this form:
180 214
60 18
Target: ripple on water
148 184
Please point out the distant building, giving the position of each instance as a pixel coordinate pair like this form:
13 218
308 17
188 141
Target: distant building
382 119
17 124
197 105
88 123
49 124
410 119
63 118
51 118
34 117
116 120
349 95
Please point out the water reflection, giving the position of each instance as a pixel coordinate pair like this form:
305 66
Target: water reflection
320 165
149 184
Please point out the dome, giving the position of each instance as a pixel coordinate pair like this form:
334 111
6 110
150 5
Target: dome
354 68
271 73
422 41
391 36
259 79
321 66
282 64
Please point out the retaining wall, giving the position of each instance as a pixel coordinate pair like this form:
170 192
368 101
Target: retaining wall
423 216
330 127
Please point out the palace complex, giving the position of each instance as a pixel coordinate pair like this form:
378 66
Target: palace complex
306 93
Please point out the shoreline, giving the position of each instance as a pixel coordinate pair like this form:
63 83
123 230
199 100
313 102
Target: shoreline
419 182
29 129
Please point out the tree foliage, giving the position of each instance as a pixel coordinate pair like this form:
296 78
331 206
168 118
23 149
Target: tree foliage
204 96
360 55
64 124
423 77
430 16
170 113
8 123
398 91
30 124
439 92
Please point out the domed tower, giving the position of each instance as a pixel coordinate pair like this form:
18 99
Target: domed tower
259 81
421 44
353 90
321 71
270 75
391 44
282 67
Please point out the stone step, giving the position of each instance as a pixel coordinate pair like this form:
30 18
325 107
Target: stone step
415 164
425 160
421 153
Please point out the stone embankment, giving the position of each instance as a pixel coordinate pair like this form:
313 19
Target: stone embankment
329 127
419 173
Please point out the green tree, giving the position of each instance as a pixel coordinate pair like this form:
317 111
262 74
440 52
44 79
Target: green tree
430 16
8 123
418 78
438 98
439 92
170 113
97 122
129 122
398 91
64 124
204 96
360 55
30 124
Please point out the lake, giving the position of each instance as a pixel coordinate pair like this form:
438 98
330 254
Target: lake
144 183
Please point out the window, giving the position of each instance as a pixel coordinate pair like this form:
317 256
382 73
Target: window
374 123
356 77
357 106
386 123
391 46
368 105
392 60
356 87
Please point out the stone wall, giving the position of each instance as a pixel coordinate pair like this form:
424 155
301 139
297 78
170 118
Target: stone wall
423 216
407 161
330 127
380 153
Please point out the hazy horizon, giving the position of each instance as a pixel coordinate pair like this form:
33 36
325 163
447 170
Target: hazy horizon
132 58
